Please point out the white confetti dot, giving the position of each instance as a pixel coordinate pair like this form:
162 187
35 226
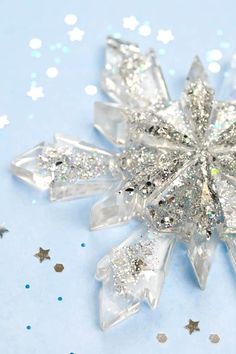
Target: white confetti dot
91 90
4 121
35 43
52 72
165 36
214 67
145 30
214 55
130 23
70 19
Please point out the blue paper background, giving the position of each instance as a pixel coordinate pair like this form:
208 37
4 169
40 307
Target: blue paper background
71 325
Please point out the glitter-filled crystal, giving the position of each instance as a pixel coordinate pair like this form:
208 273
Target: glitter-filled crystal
175 172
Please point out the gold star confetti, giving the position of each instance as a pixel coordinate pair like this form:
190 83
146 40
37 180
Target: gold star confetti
162 337
42 254
214 338
3 230
192 326
59 268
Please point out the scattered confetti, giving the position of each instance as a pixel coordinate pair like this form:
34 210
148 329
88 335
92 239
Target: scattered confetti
42 254
70 19
59 298
3 230
91 90
214 67
52 72
214 55
83 244
28 327
162 337
76 34
59 267
214 338
165 36
192 326
27 286
225 45
130 23
145 30
36 54
35 92
35 43
3 121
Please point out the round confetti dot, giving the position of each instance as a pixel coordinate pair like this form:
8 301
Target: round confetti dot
28 327
57 60
214 55
52 72
59 298
27 286
145 30
70 19
214 67
172 72
162 337
83 244
59 267
35 43
161 51
36 54
214 338
225 45
91 90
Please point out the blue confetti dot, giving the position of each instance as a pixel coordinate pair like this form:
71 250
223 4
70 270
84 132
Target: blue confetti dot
27 286
225 45
59 45
28 327
57 60
219 32
83 244
33 75
36 54
161 51
65 50
59 298
52 47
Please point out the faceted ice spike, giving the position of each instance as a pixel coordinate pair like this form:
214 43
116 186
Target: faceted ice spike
69 168
197 100
197 71
201 252
230 242
132 78
110 120
131 273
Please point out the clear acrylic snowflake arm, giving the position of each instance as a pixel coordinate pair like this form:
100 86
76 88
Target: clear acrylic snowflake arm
197 100
131 273
116 208
110 120
201 253
131 78
69 168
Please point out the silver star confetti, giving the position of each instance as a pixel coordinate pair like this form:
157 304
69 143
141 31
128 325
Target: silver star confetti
176 172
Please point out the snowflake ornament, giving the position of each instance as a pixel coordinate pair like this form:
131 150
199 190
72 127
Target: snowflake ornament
176 172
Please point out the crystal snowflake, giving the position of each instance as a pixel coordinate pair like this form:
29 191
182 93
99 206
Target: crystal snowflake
175 172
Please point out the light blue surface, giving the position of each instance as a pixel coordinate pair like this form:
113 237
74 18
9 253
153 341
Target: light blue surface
71 325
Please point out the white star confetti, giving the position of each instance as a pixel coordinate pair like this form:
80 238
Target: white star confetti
35 43
52 72
70 19
91 90
76 34
145 30
214 67
35 93
165 36
3 121
214 55
130 23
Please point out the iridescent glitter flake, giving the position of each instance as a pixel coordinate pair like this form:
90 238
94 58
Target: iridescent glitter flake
175 172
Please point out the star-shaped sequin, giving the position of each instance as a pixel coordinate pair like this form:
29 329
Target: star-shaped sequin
3 230
165 36
35 93
3 121
76 34
42 254
192 326
130 23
